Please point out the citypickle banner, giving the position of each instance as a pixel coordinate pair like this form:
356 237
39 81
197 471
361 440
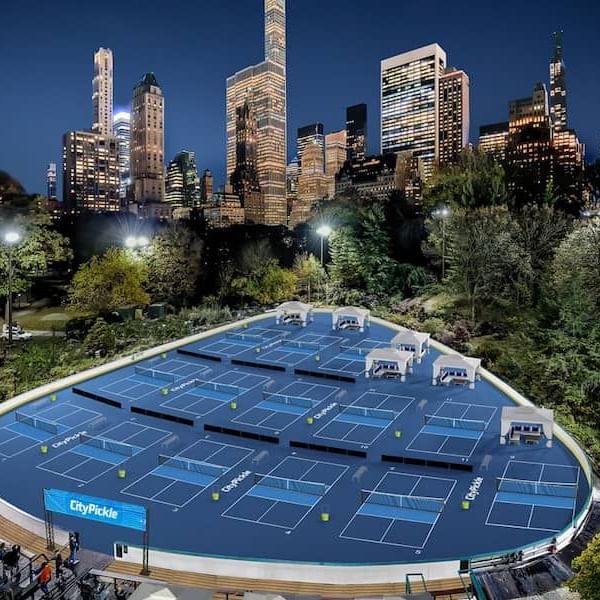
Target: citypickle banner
102 510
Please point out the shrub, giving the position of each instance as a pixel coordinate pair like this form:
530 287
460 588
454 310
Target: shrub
100 338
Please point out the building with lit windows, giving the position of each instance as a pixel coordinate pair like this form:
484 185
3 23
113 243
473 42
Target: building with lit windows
147 142
493 140
410 84
91 178
529 153
206 186
244 179
51 182
372 177
454 115
313 184
264 87
309 134
182 184
558 87
102 92
122 131
335 152
225 210
356 132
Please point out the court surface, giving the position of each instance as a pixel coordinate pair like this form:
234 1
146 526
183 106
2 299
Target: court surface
268 442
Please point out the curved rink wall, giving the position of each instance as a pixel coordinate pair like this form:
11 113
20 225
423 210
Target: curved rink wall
186 522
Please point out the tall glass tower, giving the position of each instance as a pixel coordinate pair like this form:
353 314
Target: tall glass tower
558 87
263 86
410 103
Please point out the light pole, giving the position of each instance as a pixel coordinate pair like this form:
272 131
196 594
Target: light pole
324 232
443 213
11 238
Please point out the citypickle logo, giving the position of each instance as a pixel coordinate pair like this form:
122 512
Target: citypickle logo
68 439
87 509
235 482
323 412
474 488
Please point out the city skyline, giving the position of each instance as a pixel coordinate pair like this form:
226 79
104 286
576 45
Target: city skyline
196 120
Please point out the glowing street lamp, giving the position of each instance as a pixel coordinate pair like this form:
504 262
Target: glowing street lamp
134 243
11 238
324 231
443 213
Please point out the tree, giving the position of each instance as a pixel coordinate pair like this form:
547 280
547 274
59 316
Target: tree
587 572
539 231
40 246
484 262
108 282
309 275
476 180
575 276
267 285
100 338
174 263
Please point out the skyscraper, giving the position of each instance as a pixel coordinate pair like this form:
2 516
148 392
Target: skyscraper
493 140
453 115
147 142
335 152
313 184
410 85
182 185
558 87
206 186
122 131
51 181
244 179
356 132
529 150
91 172
102 91
309 134
264 87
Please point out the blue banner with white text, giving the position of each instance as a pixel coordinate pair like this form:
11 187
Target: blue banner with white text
102 510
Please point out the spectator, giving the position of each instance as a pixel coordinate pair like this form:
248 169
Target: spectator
58 567
73 547
44 574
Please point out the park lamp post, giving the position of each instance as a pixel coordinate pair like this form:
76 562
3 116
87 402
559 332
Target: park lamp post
11 238
324 232
443 213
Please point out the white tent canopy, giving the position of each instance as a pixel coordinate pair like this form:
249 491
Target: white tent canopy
412 341
526 422
454 368
294 313
350 317
385 362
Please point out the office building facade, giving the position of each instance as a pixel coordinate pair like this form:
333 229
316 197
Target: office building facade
122 131
91 178
335 152
356 132
51 182
558 87
102 92
147 142
309 134
454 115
263 86
493 140
410 84
529 155
206 186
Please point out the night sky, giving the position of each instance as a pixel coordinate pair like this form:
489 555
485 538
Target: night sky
334 49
